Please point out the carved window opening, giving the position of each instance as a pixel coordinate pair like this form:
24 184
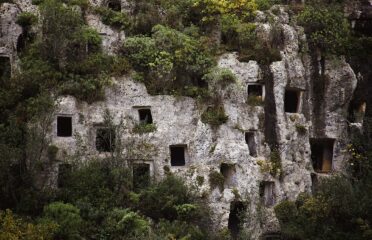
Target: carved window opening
145 116
64 126
251 142
237 210
141 175
114 5
256 90
178 155
267 193
322 154
64 171
292 100
5 69
229 173
105 140
271 236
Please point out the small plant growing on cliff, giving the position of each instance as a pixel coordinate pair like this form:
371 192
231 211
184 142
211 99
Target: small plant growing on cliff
52 152
254 100
276 163
216 179
214 116
142 128
301 129
26 19
220 76
113 18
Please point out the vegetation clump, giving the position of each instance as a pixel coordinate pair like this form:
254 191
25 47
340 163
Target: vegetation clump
142 128
214 116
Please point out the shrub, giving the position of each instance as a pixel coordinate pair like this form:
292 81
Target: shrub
220 76
301 129
14 227
326 27
214 116
125 223
67 216
144 128
276 163
26 19
254 100
216 179
113 18
52 152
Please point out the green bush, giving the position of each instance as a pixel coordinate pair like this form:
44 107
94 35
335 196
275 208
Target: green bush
113 18
220 76
144 128
216 179
276 163
326 27
214 116
122 223
14 227
67 216
26 19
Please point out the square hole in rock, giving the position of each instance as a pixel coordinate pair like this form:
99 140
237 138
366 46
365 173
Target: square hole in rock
178 153
251 142
236 214
322 154
105 140
145 116
267 193
141 175
64 126
292 100
229 173
255 89
114 5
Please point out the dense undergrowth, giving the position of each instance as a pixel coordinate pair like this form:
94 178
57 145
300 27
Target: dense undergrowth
171 47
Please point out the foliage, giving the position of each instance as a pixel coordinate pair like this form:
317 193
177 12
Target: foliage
220 76
142 128
26 19
169 60
326 27
301 129
52 152
211 8
66 216
266 4
113 18
214 116
13 228
216 179
276 163
125 223
254 100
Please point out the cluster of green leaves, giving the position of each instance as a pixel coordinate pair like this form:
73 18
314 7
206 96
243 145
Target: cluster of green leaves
113 18
144 128
168 60
109 207
216 179
214 116
327 28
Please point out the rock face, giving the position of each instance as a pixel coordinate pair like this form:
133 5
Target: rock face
298 112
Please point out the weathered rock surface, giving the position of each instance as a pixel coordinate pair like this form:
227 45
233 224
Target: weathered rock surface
178 121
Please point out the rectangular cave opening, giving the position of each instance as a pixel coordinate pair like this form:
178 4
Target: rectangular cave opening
322 154
267 193
178 155
251 142
141 175
114 5
5 69
105 140
237 212
358 112
64 170
64 126
271 236
228 171
255 90
145 116
314 182
292 100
